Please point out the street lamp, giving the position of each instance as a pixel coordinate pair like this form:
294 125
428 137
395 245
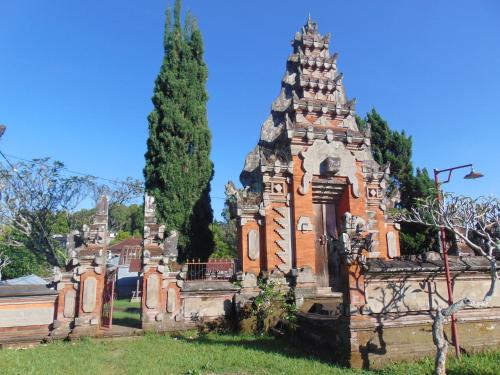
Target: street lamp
2 130
442 242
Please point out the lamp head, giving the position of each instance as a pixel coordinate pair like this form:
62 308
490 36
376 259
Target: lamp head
2 130
473 175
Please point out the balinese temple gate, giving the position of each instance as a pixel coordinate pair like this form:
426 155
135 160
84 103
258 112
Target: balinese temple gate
315 201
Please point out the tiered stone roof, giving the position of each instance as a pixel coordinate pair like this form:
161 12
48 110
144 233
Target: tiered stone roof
312 105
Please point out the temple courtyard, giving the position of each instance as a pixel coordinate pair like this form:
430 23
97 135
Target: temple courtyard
208 354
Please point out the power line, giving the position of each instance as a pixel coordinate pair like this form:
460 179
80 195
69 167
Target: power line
116 182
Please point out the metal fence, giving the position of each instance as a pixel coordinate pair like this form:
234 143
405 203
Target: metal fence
214 269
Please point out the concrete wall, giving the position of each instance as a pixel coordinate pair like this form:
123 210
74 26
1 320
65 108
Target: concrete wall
401 293
26 313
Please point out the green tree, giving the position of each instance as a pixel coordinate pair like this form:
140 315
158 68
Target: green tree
178 168
391 146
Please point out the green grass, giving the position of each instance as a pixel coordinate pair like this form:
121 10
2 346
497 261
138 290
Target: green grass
188 354
126 313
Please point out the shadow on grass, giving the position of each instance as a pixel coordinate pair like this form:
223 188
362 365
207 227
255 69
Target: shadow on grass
133 310
127 322
266 344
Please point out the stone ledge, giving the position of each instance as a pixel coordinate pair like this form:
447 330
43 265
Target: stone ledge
25 290
472 263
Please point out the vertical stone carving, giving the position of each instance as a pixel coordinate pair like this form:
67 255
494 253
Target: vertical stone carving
171 297
285 252
153 289
89 294
253 244
392 246
69 303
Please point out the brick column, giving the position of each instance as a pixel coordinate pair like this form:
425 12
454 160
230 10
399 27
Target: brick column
160 303
90 274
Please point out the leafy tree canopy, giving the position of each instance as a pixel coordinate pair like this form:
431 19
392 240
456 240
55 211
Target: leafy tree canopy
391 146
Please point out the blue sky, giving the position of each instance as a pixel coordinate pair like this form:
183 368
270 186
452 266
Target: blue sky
76 77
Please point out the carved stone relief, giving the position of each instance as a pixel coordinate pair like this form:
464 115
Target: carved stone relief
304 224
284 253
318 152
253 244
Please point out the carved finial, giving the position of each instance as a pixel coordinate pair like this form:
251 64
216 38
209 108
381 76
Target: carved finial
310 26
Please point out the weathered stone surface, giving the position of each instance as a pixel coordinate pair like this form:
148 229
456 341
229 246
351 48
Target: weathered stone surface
89 294
26 315
249 280
171 299
69 303
199 306
171 245
392 245
153 291
306 275
253 244
404 294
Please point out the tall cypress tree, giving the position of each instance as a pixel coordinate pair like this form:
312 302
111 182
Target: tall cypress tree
395 147
178 168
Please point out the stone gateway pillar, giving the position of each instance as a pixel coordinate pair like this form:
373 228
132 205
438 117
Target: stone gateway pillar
314 201
160 303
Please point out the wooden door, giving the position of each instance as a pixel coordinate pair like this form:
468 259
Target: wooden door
321 246
325 227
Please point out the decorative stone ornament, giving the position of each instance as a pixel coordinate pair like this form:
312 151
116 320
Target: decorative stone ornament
253 244
304 224
317 153
392 245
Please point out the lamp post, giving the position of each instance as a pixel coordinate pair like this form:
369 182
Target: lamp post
442 243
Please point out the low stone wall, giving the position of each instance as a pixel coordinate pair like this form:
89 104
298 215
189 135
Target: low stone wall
377 340
207 300
395 321
26 313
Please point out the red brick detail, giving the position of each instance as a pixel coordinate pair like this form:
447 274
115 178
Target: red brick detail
305 250
247 264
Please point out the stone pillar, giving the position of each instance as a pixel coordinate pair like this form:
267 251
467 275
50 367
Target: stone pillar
66 303
90 275
160 300
88 264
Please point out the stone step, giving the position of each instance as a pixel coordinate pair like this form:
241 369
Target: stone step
327 291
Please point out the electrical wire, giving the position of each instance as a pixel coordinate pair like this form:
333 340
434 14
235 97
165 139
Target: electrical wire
116 182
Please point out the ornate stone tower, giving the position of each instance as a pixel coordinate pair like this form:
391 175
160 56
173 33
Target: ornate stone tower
314 203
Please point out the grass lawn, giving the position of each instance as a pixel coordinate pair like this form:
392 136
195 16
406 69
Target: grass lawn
188 354
126 313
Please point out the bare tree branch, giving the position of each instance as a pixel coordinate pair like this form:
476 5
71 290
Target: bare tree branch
477 223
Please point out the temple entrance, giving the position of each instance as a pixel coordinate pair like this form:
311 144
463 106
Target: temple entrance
326 195
325 227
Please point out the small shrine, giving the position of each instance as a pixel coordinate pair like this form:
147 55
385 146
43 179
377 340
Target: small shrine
315 203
